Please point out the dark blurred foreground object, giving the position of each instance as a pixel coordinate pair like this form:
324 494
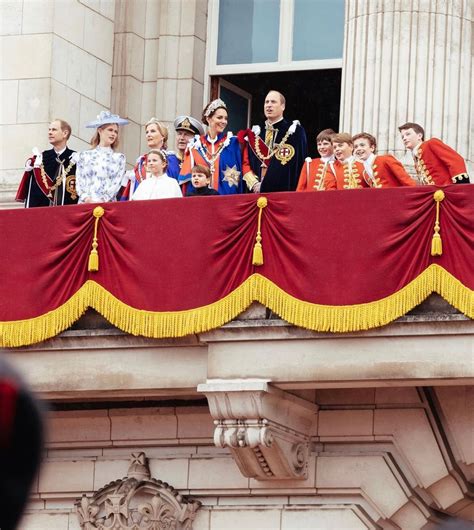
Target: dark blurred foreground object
21 439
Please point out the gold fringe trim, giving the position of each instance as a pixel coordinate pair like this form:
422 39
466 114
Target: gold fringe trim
346 318
256 288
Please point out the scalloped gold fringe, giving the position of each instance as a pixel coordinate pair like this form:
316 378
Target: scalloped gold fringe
256 288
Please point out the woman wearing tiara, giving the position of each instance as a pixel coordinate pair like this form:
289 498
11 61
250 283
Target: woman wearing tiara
217 150
157 138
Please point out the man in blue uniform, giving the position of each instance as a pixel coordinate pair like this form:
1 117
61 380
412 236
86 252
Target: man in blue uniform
272 159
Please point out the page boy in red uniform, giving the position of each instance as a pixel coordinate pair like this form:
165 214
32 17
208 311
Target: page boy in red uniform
313 172
435 162
385 170
348 172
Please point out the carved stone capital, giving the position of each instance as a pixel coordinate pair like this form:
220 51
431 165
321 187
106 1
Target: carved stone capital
136 502
266 429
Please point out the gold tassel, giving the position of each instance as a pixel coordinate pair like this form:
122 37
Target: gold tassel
94 255
257 258
436 242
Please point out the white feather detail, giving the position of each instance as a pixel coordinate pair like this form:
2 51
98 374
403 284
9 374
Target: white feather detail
292 127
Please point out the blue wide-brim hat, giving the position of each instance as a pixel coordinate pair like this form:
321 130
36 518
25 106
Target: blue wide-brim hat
104 118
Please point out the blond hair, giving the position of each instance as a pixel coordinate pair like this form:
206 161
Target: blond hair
163 130
95 140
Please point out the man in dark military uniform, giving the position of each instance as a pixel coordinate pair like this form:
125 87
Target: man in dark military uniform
49 178
272 159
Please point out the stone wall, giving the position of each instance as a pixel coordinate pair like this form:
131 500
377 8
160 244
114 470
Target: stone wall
70 59
56 63
377 459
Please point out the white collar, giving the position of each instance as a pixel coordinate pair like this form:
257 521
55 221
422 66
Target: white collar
59 153
370 160
327 159
348 160
414 151
269 125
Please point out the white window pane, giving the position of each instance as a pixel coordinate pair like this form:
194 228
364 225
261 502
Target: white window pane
318 29
248 31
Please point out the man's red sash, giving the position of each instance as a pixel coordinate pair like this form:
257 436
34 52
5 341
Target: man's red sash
252 138
43 184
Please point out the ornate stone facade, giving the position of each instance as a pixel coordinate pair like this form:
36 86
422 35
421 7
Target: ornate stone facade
268 431
266 425
136 502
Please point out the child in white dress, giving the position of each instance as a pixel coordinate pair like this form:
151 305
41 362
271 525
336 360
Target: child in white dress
158 185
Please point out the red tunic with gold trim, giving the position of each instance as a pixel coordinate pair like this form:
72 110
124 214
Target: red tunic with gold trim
385 171
437 163
313 174
347 175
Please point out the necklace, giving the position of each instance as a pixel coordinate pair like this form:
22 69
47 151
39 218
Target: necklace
275 149
45 176
210 161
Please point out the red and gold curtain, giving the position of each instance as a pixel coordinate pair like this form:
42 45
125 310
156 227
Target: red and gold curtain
336 261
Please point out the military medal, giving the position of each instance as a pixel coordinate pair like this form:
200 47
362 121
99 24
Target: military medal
285 153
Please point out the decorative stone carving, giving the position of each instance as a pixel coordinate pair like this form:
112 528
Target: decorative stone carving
136 502
267 430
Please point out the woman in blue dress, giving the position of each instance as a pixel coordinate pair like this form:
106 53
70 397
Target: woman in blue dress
217 150
157 138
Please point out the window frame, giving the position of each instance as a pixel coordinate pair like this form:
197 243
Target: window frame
285 48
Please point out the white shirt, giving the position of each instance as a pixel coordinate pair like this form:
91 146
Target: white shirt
161 187
368 164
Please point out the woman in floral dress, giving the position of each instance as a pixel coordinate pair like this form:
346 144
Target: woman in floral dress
100 170
217 150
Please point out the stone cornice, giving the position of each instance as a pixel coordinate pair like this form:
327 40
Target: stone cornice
266 429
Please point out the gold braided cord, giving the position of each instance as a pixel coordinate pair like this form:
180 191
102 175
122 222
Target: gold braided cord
93 265
436 242
256 288
257 257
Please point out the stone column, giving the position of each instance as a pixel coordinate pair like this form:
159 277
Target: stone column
181 60
158 65
409 60
56 62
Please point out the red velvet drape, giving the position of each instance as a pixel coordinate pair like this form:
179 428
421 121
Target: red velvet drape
332 248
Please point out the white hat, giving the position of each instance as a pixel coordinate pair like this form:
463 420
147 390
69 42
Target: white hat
188 123
104 118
